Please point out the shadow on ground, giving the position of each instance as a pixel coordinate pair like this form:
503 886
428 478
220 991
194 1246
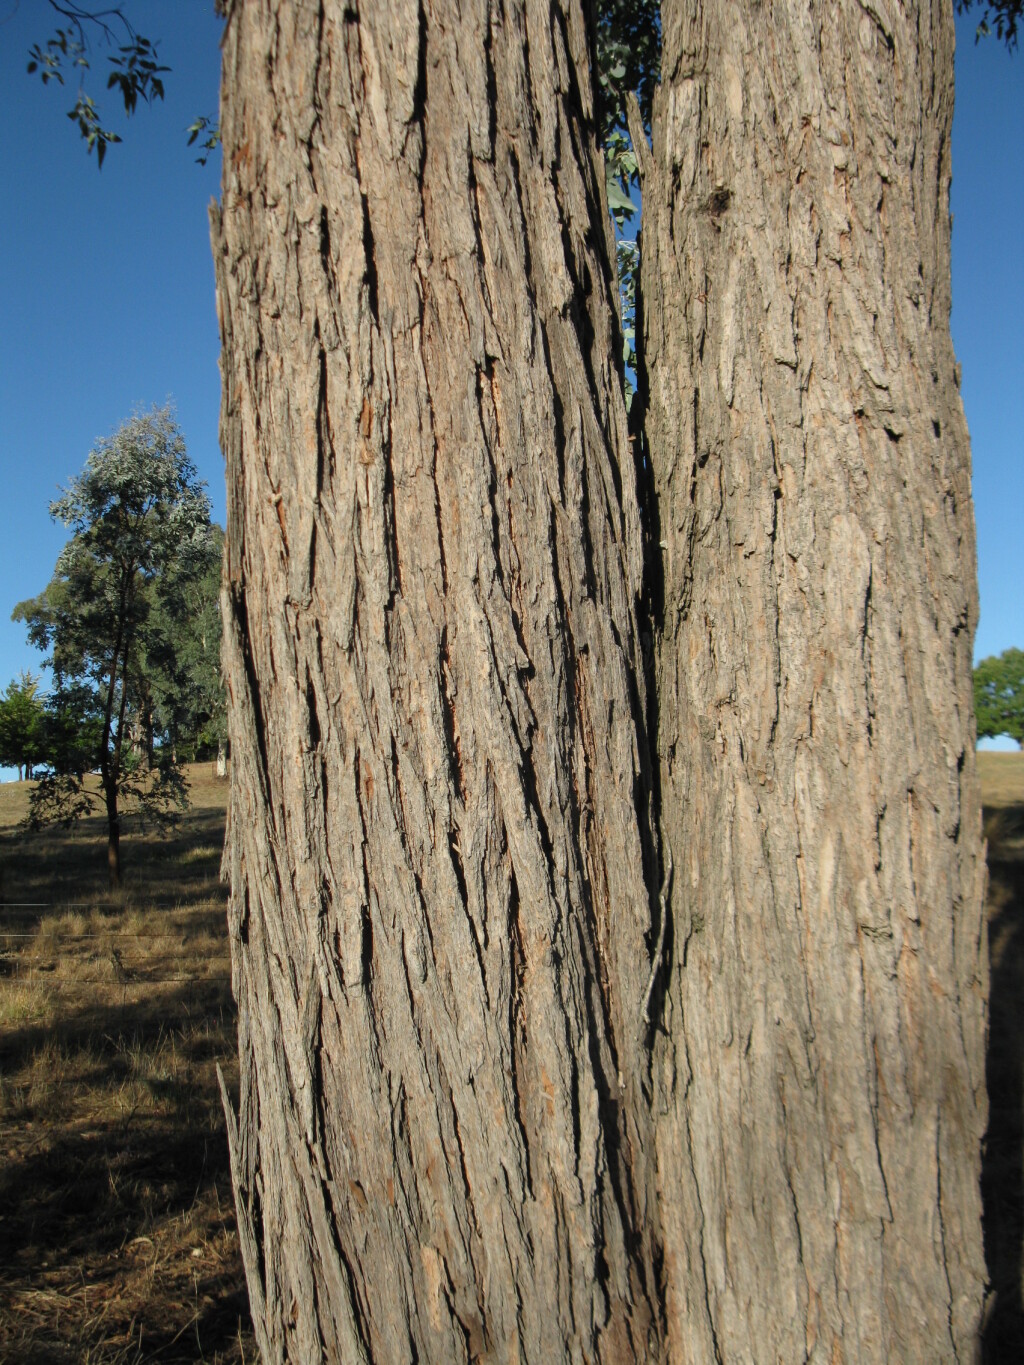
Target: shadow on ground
1002 1177
117 1232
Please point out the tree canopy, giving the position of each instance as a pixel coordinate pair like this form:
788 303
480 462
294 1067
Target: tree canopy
999 695
184 655
120 594
22 723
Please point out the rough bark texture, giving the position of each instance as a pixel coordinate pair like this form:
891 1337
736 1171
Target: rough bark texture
821 1062
438 911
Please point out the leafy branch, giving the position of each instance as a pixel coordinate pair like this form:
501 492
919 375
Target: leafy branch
135 72
1005 15
209 130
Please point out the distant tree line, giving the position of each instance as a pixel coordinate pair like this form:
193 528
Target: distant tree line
130 627
999 696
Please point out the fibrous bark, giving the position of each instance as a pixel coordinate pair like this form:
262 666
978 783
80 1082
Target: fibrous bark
439 917
444 913
821 1057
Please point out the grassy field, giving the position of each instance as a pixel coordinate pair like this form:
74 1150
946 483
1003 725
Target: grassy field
117 1235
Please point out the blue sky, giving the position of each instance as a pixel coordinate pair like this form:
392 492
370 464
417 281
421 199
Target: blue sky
107 302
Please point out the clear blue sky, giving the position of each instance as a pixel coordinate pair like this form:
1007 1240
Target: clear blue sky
107 304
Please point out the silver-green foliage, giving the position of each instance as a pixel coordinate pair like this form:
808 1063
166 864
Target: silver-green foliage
139 522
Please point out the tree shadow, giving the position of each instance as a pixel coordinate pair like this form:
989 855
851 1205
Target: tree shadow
55 867
117 1230
1002 1178
116 1214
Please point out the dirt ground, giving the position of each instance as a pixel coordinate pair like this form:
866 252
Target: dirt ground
117 1233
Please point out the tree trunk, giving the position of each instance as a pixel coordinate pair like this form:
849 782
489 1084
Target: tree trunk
821 1060
113 832
439 804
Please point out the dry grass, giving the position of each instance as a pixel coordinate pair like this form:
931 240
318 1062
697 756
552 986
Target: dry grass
116 1221
116 1227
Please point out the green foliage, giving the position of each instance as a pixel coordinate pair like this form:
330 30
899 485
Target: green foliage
628 60
621 175
1003 15
209 130
134 71
140 535
22 719
999 695
188 694
72 730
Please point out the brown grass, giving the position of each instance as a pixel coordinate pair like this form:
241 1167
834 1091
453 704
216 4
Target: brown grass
116 1221
116 1227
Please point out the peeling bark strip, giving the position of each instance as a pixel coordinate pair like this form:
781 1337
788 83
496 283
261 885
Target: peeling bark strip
822 1065
441 934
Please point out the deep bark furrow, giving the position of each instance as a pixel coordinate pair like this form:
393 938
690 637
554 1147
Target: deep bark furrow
497 1101
418 775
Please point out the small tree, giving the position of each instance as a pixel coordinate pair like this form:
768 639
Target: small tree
139 518
999 695
21 725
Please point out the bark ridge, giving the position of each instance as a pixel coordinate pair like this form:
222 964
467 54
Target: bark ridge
821 1069
439 917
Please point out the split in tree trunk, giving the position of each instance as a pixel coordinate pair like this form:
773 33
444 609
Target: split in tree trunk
453 1140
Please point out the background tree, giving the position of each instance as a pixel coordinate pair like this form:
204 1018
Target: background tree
72 730
999 695
188 692
22 717
137 515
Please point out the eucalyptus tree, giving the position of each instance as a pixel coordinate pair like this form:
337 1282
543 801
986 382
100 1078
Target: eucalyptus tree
138 515
825 1012
598 1002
